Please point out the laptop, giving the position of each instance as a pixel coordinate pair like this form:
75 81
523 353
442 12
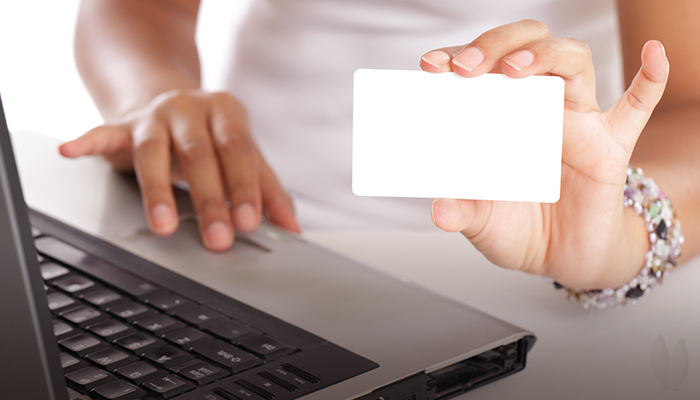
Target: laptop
96 307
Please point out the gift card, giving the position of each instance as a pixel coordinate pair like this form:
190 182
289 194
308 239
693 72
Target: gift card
419 134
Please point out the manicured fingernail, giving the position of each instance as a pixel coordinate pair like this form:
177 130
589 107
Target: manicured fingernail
245 217
437 58
469 59
218 236
68 149
432 213
520 60
162 218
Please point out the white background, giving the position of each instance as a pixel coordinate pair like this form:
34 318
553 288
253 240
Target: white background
39 84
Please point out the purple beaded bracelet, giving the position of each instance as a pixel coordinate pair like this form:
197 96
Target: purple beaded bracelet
665 238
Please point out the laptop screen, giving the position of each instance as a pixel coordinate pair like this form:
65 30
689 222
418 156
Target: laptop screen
29 368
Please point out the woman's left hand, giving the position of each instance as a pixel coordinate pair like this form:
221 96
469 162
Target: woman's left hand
587 239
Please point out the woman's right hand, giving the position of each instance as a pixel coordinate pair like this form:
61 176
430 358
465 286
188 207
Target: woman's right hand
206 137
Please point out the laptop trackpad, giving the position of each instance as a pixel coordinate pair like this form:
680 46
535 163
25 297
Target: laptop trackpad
184 248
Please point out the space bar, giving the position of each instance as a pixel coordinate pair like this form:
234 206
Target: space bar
76 258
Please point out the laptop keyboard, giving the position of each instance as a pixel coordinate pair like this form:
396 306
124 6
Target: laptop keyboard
126 338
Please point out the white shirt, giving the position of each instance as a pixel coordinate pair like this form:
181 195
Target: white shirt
294 61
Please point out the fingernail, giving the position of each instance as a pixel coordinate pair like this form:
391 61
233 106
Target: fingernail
245 217
437 58
162 218
469 59
67 149
520 60
218 236
432 213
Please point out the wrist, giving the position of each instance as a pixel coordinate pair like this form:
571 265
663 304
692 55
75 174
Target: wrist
663 238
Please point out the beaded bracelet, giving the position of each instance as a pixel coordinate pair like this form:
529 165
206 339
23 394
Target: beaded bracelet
665 238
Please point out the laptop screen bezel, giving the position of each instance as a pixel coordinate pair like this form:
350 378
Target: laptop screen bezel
31 366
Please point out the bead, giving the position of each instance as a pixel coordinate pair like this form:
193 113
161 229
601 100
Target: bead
652 237
662 229
654 210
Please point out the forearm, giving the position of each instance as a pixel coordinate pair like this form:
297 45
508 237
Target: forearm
667 151
129 51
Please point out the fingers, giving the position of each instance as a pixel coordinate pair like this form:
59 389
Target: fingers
111 141
207 136
278 205
519 50
194 148
239 161
628 116
484 54
466 216
568 58
152 163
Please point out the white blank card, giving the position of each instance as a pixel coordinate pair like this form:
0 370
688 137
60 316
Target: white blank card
418 134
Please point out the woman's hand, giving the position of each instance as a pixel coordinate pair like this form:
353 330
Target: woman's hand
587 239
206 137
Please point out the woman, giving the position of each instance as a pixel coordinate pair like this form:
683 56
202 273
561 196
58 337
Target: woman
139 61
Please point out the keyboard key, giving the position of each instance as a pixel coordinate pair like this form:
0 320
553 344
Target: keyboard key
118 390
300 373
167 356
168 386
268 377
111 329
111 358
140 372
89 377
70 363
82 315
159 324
199 372
164 300
185 337
51 271
241 392
82 344
118 278
290 378
74 283
140 342
254 389
228 329
58 300
73 395
130 310
195 315
101 297
266 346
226 355
61 329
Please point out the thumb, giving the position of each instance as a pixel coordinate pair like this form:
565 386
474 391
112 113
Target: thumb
112 142
466 216
628 116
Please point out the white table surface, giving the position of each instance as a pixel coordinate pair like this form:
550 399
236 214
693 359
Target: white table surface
578 355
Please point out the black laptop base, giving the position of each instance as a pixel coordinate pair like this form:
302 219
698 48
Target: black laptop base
242 353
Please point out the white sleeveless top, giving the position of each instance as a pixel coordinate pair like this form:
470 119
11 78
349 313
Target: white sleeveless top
294 61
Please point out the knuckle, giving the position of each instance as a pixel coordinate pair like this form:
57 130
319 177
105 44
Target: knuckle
581 47
637 103
495 38
234 140
209 205
193 151
155 190
149 142
537 27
